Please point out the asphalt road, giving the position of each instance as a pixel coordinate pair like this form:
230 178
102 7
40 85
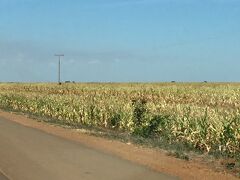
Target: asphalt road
30 154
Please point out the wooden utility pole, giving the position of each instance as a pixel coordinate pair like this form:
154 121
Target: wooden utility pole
59 67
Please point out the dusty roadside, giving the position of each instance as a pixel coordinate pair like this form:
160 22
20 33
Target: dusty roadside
155 159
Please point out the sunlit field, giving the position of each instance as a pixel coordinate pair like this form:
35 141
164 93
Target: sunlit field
205 116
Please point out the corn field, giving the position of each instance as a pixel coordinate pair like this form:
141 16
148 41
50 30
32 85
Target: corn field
203 115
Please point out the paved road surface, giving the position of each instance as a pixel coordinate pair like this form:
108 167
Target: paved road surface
30 154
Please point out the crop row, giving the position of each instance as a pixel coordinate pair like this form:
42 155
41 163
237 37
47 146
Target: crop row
206 117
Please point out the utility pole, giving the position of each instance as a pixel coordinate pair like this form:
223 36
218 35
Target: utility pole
59 67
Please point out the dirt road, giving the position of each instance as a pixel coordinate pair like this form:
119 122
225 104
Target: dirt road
31 154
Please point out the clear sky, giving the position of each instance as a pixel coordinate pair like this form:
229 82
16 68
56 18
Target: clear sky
120 40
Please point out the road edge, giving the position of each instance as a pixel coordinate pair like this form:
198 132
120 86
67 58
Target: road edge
3 176
150 158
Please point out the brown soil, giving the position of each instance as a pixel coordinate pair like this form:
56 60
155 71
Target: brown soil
153 158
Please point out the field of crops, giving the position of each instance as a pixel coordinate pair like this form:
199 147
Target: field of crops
203 115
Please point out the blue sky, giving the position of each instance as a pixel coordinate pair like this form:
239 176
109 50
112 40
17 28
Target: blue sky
120 40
